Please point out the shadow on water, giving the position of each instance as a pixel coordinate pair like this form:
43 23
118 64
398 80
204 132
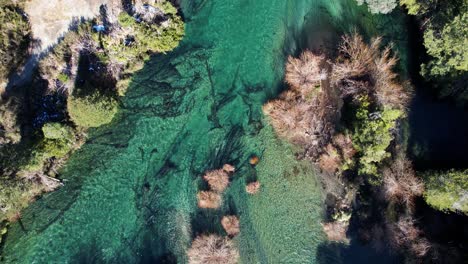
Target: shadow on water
337 253
438 128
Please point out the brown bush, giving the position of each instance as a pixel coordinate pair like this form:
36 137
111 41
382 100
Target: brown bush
336 231
229 168
345 145
253 187
330 161
304 72
217 179
362 61
405 234
401 184
356 57
209 200
420 247
231 225
212 249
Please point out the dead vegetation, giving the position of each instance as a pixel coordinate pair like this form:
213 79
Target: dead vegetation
404 233
401 185
218 180
336 231
213 249
209 199
309 115
230 224
252 188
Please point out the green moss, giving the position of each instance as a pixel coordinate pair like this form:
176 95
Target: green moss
92 110
447 191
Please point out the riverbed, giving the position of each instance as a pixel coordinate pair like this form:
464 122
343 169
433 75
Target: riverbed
130 192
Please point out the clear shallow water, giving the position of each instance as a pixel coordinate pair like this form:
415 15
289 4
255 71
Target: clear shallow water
130 193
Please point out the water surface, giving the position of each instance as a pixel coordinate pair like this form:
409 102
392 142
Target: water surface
130 192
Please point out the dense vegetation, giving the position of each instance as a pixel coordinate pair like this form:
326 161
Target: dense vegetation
444 29
78 86
447 190
345 115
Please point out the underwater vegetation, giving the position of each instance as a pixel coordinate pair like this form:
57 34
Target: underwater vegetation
162 153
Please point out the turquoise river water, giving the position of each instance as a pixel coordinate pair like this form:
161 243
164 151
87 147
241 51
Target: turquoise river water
130 192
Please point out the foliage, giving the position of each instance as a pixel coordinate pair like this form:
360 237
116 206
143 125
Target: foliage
372 136
9 125
136 40
379 6
213 249
444 29
448 47
447 190
57 131
14 39
92 110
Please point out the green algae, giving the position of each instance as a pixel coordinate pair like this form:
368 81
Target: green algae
130 192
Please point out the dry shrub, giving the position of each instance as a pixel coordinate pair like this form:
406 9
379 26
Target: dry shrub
362 61
420 247
253 187
330 161
356 57
306 117
217 179
404 233
345 145
209 200
213 249
229 168
401 184
231 225
387 90
304 72
336 231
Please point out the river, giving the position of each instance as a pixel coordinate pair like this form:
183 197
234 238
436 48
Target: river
130 192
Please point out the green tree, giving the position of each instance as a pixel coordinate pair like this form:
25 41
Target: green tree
448 47
92 110
371 138
447 190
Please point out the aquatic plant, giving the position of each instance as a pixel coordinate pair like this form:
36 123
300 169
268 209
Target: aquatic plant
218 180
230 224
209 199
213 249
